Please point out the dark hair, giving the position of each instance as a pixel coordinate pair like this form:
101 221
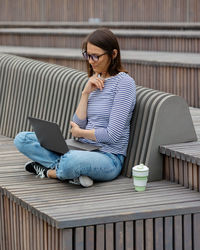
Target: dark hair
106 40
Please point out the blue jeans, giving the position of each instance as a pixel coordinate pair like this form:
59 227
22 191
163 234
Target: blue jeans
99 166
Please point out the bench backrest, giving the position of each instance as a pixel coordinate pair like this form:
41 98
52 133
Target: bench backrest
52 92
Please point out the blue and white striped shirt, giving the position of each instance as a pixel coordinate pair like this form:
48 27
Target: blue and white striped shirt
109 113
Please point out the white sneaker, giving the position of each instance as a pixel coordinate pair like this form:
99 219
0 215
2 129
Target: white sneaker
82 180
85 181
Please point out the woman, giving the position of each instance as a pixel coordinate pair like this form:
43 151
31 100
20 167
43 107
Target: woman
102 118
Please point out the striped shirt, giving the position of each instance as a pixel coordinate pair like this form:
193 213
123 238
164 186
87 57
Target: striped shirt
109 113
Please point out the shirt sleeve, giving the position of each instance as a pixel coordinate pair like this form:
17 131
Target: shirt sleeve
81 123
123 105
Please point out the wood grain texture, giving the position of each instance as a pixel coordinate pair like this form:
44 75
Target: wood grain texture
196 230
119 236
139 235
50 214
100 239
176 67
113 200
149 234
168 233
140 11
144 39
89 237
129 235
159 234
178 233
187 229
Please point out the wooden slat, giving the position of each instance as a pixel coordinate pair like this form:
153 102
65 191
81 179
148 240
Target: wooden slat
129 235
67 240
187 230
16 226
139 235
2 225
109 236
198 176
100 239
37 232
89 238
196 230
195 177
159 234
168 233
186 179
176 170
7 223
171 167
190 175
180 165
119 236
79 238
166 168
34 231
178 238
149 234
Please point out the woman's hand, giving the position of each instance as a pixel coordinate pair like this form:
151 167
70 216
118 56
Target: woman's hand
75 130
93 83
78 132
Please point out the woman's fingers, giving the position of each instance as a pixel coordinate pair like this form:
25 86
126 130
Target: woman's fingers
94 83
72 123
98 82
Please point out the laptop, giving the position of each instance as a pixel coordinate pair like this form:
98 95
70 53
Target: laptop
50 137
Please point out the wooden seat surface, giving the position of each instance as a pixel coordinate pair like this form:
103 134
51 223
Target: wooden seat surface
65 205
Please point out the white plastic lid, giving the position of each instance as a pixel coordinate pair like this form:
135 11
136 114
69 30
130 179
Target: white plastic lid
141 168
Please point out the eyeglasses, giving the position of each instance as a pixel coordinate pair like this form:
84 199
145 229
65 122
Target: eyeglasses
94 58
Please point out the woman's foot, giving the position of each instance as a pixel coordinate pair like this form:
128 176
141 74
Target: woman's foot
82 180
36 168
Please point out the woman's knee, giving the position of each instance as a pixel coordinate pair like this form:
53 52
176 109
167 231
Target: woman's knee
19 138
23 138
97 166
69 167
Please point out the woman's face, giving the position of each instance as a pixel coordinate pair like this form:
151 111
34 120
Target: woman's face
101 66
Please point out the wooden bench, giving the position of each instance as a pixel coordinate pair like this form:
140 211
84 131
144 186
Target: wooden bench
50 214
182 164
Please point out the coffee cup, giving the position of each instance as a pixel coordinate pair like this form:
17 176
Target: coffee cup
140 176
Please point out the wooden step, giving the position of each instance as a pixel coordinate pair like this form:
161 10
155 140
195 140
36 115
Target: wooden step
176 73
138 39
186 60
111 25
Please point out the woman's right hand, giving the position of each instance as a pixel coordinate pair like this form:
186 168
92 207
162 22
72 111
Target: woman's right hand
93 83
